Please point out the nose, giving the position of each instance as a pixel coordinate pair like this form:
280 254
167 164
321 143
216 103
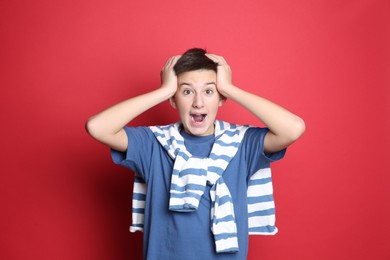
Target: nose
198 101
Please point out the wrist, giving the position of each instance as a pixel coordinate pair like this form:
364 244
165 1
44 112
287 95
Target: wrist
168 90
228 90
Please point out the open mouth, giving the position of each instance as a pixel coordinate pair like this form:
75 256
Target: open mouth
198 118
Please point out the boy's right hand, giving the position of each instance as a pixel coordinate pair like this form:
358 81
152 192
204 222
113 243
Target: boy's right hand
168 75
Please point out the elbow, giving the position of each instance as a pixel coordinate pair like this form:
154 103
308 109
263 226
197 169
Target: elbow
92 128
292 132
297 129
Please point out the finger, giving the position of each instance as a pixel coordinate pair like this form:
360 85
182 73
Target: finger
167 62
216 58
172 61
175 59
223 60
213 57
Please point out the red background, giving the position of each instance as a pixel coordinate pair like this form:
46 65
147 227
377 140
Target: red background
63 61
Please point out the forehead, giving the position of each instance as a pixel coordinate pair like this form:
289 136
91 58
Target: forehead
197 77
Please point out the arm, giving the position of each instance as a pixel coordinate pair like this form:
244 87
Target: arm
284 126
107 126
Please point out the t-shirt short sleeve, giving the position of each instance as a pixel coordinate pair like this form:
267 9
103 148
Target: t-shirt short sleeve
140 141
254 149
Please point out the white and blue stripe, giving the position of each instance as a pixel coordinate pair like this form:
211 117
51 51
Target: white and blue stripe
138 206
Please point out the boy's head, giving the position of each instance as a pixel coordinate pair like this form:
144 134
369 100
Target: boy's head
194 59
197 98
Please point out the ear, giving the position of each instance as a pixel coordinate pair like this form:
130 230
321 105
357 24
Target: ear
172 102
222 100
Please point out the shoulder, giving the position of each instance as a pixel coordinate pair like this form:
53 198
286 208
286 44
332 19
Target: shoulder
256 132
138 132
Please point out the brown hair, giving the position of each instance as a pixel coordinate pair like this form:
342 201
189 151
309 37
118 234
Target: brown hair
194 59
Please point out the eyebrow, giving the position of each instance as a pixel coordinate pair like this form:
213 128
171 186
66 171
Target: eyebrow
188 84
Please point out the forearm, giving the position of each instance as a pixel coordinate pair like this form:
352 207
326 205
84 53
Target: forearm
111 120
107 126
285 126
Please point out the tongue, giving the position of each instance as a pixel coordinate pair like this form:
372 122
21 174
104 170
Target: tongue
198 118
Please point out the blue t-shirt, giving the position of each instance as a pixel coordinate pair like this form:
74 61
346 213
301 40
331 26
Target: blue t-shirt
183 235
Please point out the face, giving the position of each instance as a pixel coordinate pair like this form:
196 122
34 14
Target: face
197 101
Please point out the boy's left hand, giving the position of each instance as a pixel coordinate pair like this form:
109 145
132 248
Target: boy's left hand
224 74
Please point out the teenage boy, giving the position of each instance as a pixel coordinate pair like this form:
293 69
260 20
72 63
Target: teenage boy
202 184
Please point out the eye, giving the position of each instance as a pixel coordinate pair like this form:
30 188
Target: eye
187 91
209 91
